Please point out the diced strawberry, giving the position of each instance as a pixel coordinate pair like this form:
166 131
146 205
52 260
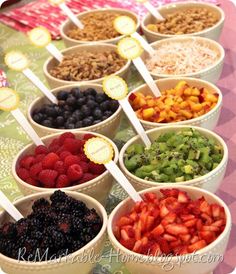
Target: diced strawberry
181 250
215 209
150 197
185 237
197 246
190 223
116 232
169 219
27 161
208 236
170 192
183 197
64 136
176 229
155 250
41 150
125 221
137 246
124 235
174 244
165 248
129 243
194 239
50 160
149 223
134 216
163 211
207 218
219 223
138 230
157 231
199 224
205 208
169 238
187 217
210 228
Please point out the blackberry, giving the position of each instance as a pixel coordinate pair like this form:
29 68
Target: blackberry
22 227
58 197
41 205
8 230
58 238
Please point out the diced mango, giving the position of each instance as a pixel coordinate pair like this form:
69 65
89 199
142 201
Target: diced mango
148 112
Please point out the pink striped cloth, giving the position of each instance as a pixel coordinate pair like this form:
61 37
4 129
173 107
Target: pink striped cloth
41 13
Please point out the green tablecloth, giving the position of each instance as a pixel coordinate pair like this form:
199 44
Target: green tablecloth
13 138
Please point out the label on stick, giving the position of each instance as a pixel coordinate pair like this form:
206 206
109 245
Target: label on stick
125 25
115 87
98 150
16 60
129 48
9 99
40 37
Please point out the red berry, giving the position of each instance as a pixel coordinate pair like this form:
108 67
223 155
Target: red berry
83 157
41 150
50 160
27 161
71 160
65 136
35 169
74 172
62 181
53 148
88 136
32 182
60 167
23 173
87 177
95 168
39 158
64 154
84 166
48 177
72 145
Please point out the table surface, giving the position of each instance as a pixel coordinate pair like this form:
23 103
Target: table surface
12 137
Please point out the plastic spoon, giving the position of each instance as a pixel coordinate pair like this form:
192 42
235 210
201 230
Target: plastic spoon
9 207
151 9
100 151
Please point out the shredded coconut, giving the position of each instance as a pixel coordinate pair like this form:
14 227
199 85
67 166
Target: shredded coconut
182 57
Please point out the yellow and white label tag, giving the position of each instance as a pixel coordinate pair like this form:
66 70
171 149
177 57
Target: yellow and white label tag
115 87
98 150
9 99
16 60
129 48
40 37
56 2
125 25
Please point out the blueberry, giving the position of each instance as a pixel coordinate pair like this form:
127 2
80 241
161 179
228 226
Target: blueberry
113 106
104 117
66 114
79 124
60 121
91 104
108 113
105 105
78 115
97 113
71 120
87 122
47 123
62 95
90 98
50 111
71 101
38 117
81 101
85 110
96 122
68 108
91 91
76 92
61 103
100 97
69 126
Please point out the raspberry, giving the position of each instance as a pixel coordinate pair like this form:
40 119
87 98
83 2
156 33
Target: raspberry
53 148
64 154
62 181
35 169
88 136
74 172
32 182
72 145
83 157
50 160
41 150
84 166
23 173
95 168
71 160
59 167
87 177
27 161
48 177
39 158
65 136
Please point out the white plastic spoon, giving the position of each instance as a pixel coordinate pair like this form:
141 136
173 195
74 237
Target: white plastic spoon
9 207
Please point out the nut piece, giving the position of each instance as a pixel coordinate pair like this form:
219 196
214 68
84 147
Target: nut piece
185 21
87 66
97 26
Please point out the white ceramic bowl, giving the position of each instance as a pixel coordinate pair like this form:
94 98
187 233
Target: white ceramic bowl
211 181
202 264
211 73
211 33
98 188
65 264
208 120
98 47
69 42
107 127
